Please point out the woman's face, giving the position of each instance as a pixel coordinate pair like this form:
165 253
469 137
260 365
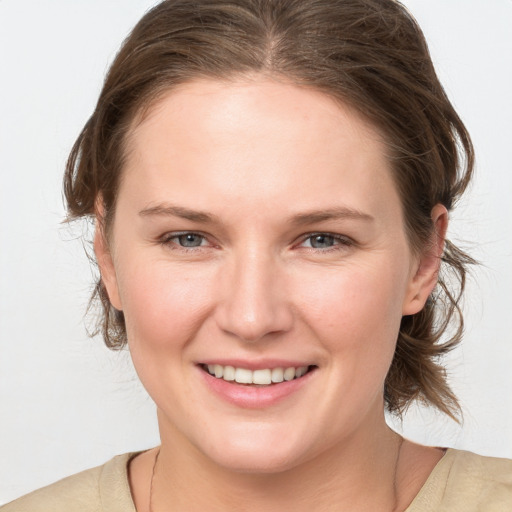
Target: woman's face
258 233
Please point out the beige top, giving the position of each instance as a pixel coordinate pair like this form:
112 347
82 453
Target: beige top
461 482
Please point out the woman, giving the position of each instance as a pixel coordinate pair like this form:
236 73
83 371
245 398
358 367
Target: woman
271 184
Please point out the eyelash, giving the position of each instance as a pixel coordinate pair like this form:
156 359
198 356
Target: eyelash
339 241
167 240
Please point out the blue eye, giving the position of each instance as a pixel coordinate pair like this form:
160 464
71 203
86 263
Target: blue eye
325 241
189 240
321 241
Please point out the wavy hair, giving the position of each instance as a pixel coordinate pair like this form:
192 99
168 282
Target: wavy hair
369 54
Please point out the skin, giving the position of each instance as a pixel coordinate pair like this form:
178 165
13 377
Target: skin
258 157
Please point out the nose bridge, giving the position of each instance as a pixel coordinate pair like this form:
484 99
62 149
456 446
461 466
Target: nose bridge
253 303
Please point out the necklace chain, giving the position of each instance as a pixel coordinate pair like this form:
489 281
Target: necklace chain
397 461
152 479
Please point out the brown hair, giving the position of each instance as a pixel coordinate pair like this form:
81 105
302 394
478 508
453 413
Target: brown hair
370 54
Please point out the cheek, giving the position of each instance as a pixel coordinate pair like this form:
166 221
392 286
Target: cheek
354 310
163 305
357 315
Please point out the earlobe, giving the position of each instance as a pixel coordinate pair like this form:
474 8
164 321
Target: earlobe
106 263
425 275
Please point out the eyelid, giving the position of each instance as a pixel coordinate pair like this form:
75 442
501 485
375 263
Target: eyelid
166 239
344 240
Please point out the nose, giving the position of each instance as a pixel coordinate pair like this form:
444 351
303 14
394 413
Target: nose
254 303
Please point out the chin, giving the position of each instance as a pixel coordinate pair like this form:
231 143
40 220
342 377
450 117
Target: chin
255 461
256 451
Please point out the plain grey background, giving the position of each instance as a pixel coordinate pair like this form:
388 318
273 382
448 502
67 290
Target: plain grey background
66 403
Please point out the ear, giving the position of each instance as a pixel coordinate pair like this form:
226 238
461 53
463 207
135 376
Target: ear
425 273
105 259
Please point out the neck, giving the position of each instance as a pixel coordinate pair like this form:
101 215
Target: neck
358 474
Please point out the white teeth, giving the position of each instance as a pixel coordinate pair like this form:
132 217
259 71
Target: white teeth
263 377
219 371
277 375
243 376
289 373
299 372
229 373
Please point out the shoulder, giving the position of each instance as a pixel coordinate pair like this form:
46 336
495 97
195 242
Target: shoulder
486 480
466 482
101 489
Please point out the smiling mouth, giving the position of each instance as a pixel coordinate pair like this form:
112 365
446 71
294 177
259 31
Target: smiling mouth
263 377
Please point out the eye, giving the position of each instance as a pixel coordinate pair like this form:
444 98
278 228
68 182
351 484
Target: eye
325 241
321 241
188 240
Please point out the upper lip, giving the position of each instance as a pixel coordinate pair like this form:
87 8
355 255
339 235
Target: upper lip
261 364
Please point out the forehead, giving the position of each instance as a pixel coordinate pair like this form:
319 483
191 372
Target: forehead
255 103
257 141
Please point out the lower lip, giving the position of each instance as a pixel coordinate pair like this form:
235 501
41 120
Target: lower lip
254 397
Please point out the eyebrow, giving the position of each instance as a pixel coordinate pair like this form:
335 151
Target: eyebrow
167 210
299 219
339 213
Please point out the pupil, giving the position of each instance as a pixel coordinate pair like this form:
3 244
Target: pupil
190 240
322 241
